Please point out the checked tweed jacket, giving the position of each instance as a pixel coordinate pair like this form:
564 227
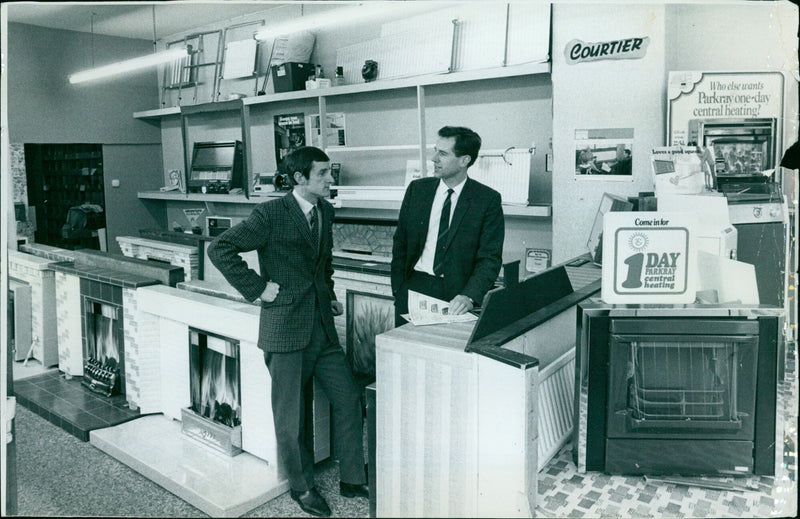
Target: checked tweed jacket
279 231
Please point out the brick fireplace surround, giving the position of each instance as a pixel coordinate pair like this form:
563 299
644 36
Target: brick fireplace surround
58 395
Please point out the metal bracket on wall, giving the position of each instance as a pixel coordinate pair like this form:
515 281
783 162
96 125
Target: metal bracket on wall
222 51
183 73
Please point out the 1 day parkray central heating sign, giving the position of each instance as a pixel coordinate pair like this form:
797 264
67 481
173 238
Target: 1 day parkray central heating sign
648 257
578 51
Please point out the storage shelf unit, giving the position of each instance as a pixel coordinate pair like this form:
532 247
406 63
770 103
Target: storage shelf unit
391 206
61 176
387 84
353 208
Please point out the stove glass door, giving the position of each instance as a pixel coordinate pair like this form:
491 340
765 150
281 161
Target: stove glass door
682 386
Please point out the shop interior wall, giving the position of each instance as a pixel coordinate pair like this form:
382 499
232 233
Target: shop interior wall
43 107
125 214
730 36
623 93
755 36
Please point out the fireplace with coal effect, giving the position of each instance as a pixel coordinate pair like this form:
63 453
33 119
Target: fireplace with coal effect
103 354
214 417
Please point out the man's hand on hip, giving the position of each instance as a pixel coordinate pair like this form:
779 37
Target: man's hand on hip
270 292
337 308
460 304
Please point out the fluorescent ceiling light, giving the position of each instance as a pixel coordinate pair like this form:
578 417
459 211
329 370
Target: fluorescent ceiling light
339 17
129 65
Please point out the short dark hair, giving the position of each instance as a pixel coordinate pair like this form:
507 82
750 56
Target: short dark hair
467 141
301 160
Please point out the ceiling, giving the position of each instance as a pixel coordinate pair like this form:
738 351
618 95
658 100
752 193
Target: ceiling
131 19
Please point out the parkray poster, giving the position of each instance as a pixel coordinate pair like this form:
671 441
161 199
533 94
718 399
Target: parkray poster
701 96
649 257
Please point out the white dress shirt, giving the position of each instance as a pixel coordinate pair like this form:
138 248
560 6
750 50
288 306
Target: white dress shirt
425 262
305 206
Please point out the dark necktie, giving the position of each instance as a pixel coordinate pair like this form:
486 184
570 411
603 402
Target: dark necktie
441 240
314 227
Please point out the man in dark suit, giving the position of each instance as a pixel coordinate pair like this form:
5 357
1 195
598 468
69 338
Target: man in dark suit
293 237
449 238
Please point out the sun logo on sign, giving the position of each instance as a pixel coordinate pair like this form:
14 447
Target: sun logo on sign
638 242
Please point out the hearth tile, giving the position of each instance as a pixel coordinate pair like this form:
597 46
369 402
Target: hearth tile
51 385
112 416
219 485
88 422
67 390
22 384
118 401
42 398
64 409
30 391
28 404
53 419
93 402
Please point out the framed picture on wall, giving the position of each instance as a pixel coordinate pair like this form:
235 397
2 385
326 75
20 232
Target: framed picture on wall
604 154
367 316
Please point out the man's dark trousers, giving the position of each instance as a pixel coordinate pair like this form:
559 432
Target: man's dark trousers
291 373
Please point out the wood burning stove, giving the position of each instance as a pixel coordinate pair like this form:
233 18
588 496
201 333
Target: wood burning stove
687 391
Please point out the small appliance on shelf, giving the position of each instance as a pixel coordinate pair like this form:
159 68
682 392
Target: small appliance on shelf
217 167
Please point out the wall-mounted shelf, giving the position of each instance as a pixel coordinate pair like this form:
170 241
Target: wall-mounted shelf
157 113
391 207
387 84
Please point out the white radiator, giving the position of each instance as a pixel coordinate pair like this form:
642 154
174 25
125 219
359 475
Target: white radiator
505 171
556 391
456 431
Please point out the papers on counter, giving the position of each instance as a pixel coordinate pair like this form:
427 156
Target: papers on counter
424 310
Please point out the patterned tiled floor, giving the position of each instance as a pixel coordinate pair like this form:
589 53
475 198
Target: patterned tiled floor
563 492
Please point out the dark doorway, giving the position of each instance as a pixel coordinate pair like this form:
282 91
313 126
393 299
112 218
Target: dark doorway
65 185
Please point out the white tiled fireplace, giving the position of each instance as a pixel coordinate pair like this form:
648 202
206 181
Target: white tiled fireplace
167 316
89 288
183 256
158 445
40 277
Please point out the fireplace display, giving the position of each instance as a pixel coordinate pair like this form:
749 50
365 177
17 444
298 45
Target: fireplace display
214 417
103 355
682 384
676 391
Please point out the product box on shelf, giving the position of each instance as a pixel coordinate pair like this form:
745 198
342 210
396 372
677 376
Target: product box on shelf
288 77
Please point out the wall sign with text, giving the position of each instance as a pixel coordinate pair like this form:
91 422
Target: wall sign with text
701 96
578 51
648 257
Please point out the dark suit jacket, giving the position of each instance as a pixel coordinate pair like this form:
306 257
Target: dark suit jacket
279 231
475 240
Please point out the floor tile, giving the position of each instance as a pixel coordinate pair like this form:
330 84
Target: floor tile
70 405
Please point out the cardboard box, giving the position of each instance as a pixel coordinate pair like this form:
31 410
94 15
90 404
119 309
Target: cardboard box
288 77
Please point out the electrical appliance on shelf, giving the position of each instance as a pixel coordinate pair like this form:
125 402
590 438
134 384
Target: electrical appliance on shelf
688 390
742 147
746 152
217 167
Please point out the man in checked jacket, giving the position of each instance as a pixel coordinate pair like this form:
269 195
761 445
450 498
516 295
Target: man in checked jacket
293 238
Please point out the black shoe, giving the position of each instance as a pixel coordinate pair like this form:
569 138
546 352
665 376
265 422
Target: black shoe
350 490
311 502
